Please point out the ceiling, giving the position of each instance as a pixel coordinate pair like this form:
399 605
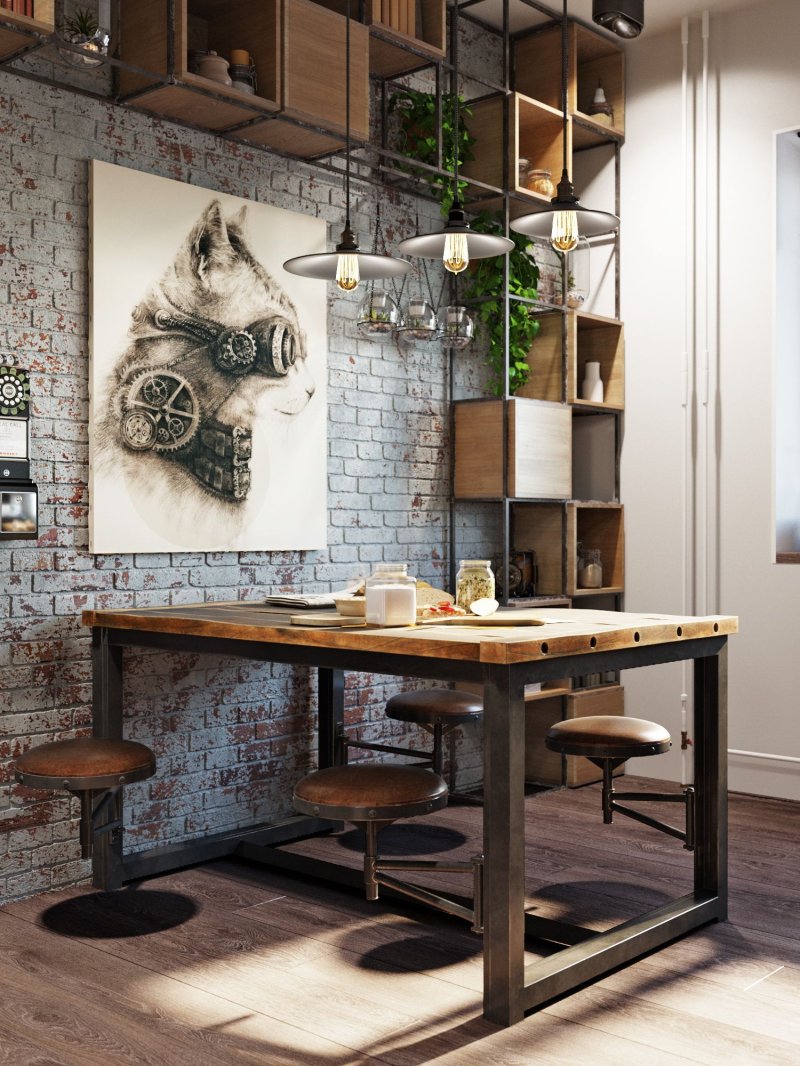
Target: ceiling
659 15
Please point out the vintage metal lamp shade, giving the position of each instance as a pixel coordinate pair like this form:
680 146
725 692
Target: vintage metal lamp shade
564 221
457 243
348 264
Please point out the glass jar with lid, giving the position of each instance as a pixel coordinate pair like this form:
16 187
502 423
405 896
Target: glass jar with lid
541 181
391 596
523 169
474 581
590 568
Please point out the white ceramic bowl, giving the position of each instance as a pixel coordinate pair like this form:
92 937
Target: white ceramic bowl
351 605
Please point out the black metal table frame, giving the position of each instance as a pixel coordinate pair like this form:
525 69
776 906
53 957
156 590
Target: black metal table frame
510 988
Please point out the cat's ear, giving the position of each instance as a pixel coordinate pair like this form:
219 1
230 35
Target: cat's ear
210 243
239 220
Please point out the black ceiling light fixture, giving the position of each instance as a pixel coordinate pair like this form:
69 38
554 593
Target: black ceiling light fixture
564 221
347 265
457 243
623 17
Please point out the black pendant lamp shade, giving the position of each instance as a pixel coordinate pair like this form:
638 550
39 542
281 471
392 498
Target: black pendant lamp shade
456 243
564 221
347 265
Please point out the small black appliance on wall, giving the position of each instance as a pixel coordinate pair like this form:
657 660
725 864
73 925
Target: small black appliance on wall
19 498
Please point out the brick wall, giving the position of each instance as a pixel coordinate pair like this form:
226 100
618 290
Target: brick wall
230 736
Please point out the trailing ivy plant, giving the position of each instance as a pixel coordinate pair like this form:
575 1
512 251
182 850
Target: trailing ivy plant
417 114
484 290
484 283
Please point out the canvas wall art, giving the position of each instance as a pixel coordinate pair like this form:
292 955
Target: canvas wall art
208 371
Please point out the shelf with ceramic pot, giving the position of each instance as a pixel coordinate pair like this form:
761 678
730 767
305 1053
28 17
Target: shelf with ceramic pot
297 50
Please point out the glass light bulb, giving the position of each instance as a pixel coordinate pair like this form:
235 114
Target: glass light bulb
564 235
347 272
456 253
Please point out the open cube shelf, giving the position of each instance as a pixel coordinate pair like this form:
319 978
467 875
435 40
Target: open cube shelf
600 526
20 32
593 338
297 47
593 60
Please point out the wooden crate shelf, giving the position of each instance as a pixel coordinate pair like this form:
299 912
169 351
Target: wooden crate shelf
298 51
593 338
596 525
535 133
546 361
405 39
545 767
538 444
18 33
541 527
594 60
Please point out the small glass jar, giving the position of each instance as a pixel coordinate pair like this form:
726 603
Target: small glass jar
474 581
391 596
541 181
523 169
590 569
457 327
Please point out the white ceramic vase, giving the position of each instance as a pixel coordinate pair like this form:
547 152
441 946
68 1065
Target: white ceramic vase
592 387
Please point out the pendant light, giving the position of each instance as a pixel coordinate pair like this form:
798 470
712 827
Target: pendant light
456 244
347 265
564 221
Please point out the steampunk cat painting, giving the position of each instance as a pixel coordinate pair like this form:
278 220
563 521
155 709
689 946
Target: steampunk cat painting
208 410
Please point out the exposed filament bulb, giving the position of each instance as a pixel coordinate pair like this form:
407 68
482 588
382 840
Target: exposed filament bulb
456 253
347 272
564 235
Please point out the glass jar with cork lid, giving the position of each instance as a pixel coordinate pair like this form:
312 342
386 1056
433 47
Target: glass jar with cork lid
474 581
541 181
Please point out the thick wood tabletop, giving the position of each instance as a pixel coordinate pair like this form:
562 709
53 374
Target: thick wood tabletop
565 631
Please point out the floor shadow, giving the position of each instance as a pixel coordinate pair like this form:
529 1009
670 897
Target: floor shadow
427 952
407 839
110 915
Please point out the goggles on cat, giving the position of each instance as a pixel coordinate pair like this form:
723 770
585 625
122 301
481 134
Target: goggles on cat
267 346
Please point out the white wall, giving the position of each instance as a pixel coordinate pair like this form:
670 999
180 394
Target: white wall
725 530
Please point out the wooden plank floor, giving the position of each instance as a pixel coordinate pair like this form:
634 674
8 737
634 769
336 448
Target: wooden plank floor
231 963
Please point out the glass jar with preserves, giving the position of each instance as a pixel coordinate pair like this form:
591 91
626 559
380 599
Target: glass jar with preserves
541 181
391 596
474 581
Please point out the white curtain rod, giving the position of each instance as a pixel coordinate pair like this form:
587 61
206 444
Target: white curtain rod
764 755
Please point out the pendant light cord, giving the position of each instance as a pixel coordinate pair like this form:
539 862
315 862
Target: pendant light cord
454 29
564 80
347 115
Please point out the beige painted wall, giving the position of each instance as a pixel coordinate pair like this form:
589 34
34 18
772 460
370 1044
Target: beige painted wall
718 516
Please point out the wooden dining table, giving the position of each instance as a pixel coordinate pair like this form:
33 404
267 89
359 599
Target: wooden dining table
530 646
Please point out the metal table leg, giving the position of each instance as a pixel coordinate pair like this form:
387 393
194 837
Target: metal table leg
107 872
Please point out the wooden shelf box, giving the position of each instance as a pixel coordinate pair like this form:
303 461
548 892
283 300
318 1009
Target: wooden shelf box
546 361
593 338
535 133
538 448
540 527
596 525
405 35
298 50
22 32
593 60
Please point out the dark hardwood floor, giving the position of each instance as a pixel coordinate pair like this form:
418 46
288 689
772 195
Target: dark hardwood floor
231 963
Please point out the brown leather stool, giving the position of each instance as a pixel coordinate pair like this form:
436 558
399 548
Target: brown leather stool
437 710
372 796
607 741
90 768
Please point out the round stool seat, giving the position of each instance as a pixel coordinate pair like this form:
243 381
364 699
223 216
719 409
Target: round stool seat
370 792
435 706
606 736
87 763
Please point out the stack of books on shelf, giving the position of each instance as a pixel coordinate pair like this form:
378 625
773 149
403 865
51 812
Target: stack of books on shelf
400 15
19 7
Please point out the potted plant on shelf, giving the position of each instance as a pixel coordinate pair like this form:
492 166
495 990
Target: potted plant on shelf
81 27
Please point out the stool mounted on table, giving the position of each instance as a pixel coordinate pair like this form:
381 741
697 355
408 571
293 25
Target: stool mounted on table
91 768
608 741
372 796
437 710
